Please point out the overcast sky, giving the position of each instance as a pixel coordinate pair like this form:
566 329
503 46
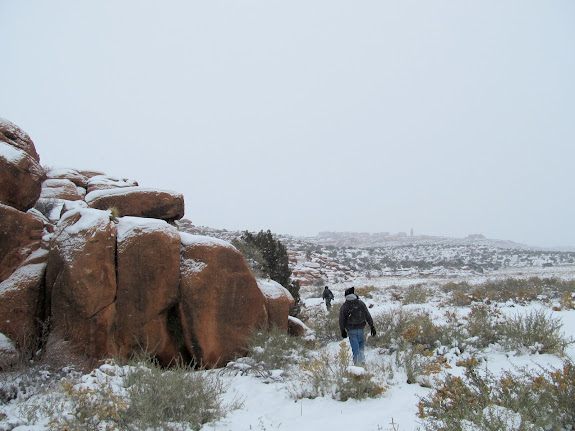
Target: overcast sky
448 117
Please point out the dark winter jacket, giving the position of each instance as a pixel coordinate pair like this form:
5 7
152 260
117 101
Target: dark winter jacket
343 312
327 294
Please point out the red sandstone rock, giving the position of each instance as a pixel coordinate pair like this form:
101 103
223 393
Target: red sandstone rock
81 280
297 328
220 302
20 235
278 303
62 189
148 287
78 178
104 182
16 137
21 175
139 202
22 300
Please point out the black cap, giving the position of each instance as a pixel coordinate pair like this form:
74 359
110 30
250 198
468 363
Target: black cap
349 291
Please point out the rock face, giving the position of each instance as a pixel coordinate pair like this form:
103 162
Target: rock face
148 287
139 202
220 302
118 282
278 303
21 175
81 281
20 235
22 301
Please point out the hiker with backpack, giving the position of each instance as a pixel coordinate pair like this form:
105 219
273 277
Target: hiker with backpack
353 315
327 297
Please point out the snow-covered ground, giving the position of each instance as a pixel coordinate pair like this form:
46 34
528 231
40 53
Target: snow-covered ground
268 403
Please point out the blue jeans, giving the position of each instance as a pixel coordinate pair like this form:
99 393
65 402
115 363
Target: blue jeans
357 343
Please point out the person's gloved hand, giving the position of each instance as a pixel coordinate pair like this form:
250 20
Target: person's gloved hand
373 331
343 333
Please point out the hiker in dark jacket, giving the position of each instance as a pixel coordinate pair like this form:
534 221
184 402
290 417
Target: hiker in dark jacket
327 297
353 315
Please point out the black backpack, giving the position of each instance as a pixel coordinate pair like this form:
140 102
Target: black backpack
355 314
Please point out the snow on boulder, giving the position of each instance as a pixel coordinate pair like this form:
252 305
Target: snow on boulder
62 189
81 281
78 178
101 181
148 269
17 138
22 299
278 303
21 175
220 303
20 235
299 329
189 239
139 202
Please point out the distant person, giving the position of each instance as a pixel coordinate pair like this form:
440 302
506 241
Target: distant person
327 297
353 316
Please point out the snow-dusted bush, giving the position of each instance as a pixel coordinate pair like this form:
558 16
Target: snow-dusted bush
269 351
325 326
537 331
416 294
523 400
169 398
332 375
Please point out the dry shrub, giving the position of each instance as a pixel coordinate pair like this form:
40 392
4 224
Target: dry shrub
524 400
330 375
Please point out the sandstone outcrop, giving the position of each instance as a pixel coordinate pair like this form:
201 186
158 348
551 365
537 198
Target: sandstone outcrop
220 303
148 287
21 175
108 275
81 282
278 303
139 202
22 301
20 235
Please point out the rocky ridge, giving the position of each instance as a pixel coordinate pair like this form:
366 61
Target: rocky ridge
93 267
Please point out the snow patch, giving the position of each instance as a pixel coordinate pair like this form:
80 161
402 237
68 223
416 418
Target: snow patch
6 344
128 226
273 290
90 218
190 240
11 154
191 266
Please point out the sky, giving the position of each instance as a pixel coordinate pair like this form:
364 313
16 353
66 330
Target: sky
447 117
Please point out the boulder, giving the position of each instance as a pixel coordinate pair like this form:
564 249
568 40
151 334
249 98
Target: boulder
139 202
22 302
299 329
78 178
20 235
81 281
104 182
278 303
148 265
62 189
18 138
220 300
21 175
